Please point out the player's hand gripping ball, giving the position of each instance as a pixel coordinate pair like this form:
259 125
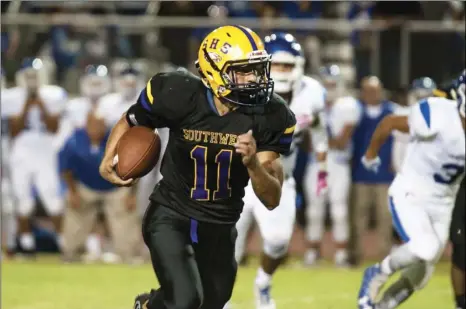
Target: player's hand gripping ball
246 146
138 151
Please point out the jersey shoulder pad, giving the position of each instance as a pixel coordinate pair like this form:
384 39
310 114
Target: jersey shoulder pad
75 104
108 100
274 130
348 109
12 101
173 92
311 84
422 119
346 103
14 93
314 92
54 93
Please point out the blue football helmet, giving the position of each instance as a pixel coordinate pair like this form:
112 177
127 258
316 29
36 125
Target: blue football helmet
287 61
331 79
422 88
31 74
95 82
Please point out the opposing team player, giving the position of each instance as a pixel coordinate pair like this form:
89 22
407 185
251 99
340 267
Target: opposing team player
8 218
33 111
225 128
457 228
304 97
421 88
342 117
458 240
422 195
94 84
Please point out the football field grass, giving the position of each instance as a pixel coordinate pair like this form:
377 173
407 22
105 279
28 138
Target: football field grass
48 284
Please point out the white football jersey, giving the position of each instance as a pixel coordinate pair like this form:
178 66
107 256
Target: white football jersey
74 116
308 105
35 136
112 106
435 158
342 112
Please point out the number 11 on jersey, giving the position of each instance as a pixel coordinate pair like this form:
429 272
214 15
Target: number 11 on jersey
200 191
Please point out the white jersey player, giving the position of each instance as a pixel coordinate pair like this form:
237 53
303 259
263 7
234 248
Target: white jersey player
422 196
306 99
94 84
33 111
421 88
128 85
342 114
8 220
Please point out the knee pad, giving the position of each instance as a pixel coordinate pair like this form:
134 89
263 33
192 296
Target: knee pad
276 248
458 256
419 274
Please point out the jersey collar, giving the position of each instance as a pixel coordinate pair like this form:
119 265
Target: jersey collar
210 99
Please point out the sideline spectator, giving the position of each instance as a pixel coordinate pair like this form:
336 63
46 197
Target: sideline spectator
79 164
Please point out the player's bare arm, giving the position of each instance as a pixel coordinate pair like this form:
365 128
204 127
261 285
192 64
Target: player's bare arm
383 131
107 165
267 178
264 169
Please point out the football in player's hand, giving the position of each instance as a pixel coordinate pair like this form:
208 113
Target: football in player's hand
138 151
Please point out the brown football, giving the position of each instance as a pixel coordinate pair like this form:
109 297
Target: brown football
138 151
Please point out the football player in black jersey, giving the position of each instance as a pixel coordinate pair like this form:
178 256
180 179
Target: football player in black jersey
226 127
458 240
457 228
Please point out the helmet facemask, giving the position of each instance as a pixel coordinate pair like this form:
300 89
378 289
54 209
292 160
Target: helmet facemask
248 83
245 82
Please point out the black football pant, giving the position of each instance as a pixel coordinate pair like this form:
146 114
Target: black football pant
457 229
194 261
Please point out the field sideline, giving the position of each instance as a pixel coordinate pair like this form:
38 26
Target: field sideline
47 284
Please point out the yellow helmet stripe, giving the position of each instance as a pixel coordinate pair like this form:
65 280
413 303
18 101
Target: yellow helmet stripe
248 35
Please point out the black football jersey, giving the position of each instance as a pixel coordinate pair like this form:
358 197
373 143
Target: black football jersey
203 177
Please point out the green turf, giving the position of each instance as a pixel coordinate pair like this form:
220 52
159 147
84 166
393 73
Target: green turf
47 284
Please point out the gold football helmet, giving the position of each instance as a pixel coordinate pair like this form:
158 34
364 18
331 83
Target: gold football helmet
229 54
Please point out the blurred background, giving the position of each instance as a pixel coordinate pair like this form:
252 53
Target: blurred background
397 41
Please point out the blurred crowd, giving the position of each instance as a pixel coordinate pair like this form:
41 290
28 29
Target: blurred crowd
64 87
72 48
